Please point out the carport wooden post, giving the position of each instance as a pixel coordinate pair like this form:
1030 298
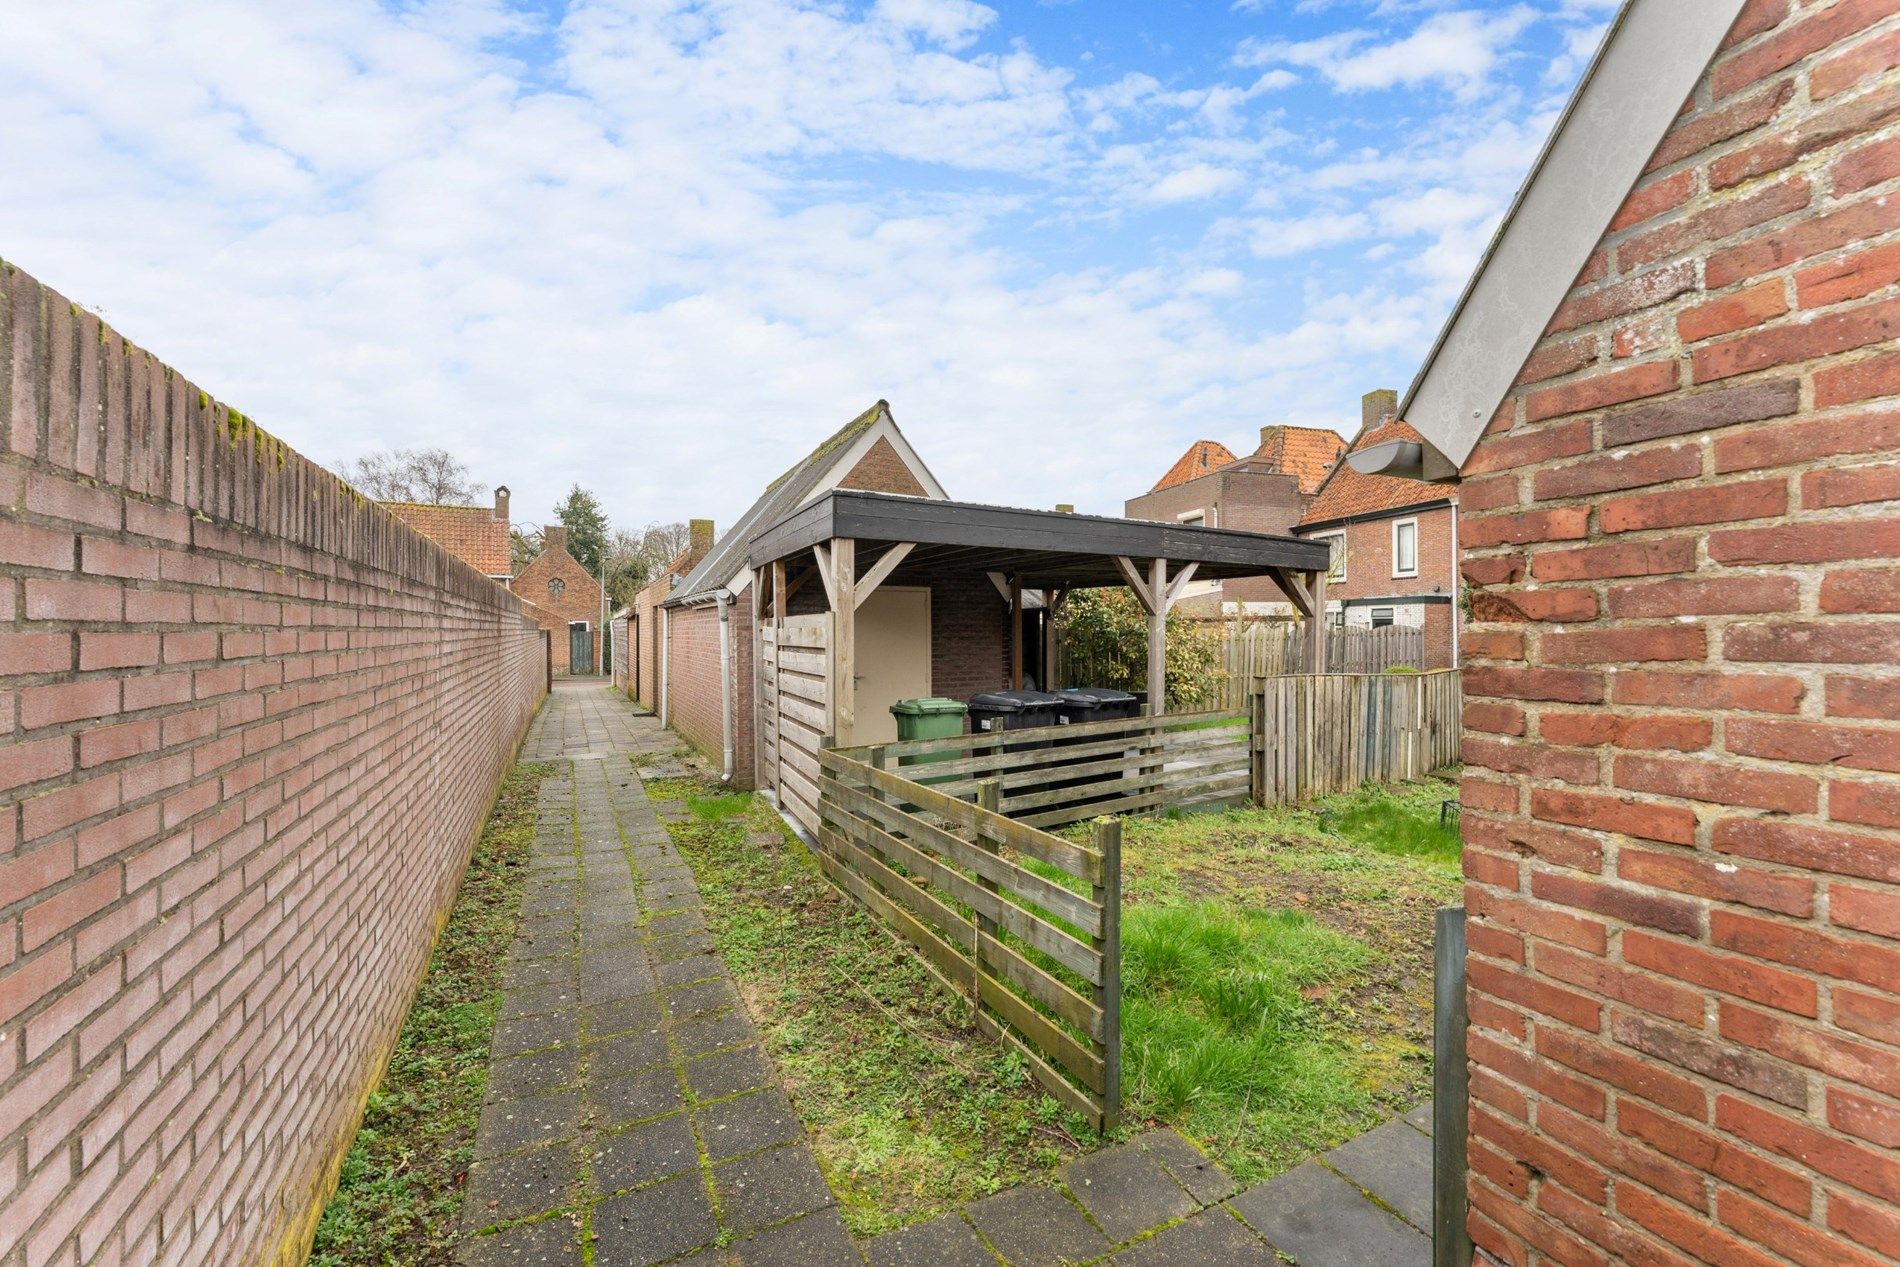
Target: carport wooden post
1052 601
844 613
1015 633
1158 637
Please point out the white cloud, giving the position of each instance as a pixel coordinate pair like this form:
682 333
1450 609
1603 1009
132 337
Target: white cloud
1460 50
665 257
1192 183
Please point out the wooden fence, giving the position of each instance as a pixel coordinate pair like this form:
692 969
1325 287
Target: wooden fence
1052 775
1039 958
1272 648
1314 735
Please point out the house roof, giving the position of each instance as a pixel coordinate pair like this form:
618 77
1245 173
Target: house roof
1348 494
1044 549
1648 64
470 533
1202 458
788 492
1309 453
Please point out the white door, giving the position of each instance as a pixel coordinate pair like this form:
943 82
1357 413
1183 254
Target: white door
893 653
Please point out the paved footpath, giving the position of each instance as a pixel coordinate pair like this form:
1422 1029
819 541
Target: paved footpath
632 1110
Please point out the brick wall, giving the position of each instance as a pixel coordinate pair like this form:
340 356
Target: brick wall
579 598
693 699
1250 501
883 470
1682 828
250 730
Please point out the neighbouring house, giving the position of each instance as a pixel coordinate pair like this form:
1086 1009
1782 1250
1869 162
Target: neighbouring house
1266 491
642 633
1671 398
1394 542
477 535
566 601
706 672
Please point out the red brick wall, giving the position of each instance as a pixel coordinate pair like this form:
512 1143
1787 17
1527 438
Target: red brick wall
251 726
693 699
1681 820
883 470
579 600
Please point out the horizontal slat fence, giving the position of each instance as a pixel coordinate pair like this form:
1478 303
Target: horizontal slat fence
1314 735
1272 648
1039 960
1053 775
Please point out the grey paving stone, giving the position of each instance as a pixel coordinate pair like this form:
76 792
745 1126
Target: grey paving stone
1126 1191
712 995
627 1053
532 1033
614 1102
1394 1164
543 945
817 1240
628 981
681 946
729 1072
534 1074
512 1126
654 1224
532 972
553 1242
1211 1237
532 1000
702 1035
604 1020
1203 1177
637 1156
506 1188
945 1241
1034 1226
747 1123
1421 1117
1323 1221
685 971
769 1187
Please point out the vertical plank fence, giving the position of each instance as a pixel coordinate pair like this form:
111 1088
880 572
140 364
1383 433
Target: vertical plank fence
1038 958
1274 648
1315 735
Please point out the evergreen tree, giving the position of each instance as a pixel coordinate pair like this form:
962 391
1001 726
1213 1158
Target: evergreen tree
586 527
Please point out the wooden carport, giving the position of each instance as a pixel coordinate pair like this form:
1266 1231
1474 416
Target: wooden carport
851 542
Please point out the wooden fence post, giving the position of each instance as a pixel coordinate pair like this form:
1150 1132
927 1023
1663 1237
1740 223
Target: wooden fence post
1451 1093
989 796
1106 834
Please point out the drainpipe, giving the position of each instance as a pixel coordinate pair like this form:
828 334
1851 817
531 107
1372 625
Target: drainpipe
725 683
666 645
1457 587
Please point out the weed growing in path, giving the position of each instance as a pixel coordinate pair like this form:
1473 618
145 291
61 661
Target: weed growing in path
400 1191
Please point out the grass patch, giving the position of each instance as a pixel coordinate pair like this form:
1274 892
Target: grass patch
910 1109
400 1190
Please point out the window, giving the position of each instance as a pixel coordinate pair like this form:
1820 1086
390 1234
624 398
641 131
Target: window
1192 518
1381 616
1405 548
556 587
1336 572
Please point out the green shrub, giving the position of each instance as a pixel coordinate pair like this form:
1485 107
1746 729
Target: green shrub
1105 640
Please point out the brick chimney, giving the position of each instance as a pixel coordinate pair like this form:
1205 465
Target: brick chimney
501 502
554 537
1376 407
699 540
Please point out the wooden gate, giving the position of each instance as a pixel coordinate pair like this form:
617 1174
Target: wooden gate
796 712
580 649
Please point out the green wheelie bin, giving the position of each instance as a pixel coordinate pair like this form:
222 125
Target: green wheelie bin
930 718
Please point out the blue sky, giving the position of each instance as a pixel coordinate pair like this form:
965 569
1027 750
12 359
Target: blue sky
661 247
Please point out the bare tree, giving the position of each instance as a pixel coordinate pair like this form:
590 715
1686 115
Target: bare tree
432 477
635 558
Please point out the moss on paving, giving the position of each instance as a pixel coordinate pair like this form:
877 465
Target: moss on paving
400 1193
910 1110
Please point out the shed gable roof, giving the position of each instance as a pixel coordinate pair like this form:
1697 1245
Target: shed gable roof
816 472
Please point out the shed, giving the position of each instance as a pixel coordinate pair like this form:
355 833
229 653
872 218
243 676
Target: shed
831 665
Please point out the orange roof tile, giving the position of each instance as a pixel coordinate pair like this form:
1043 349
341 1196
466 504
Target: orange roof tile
1202 457
1307 452
1347 493
470 533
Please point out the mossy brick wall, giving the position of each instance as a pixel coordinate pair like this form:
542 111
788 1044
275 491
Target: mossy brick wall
1682 822
251 727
